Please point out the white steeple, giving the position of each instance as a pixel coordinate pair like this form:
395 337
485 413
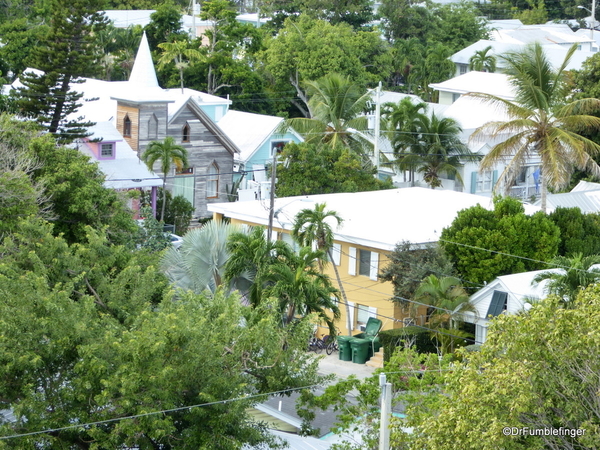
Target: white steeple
143 73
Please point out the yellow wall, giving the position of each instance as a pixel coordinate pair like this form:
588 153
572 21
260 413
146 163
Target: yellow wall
360 289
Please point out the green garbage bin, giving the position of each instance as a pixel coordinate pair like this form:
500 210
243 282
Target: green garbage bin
344 346
360 350
370 334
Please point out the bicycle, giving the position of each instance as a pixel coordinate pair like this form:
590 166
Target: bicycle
316 345
331 344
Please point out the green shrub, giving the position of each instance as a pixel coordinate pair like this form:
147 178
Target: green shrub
398 337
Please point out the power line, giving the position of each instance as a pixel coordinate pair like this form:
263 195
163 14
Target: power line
164 411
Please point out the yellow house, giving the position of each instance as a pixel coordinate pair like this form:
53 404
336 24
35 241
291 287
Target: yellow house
373 223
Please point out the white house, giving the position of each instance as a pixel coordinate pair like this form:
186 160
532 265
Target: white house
507 294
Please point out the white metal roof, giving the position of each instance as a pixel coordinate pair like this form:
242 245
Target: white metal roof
586 186
247 130
587 201
497 84
377 219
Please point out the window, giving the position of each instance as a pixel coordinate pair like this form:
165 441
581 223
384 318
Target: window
498 304
362 316
277 146
455 97
127 126
364 262
484 181
288 239
212 182
185 133
106 150
152 127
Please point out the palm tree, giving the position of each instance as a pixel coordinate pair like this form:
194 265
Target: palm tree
168 153
401 123
577 275
542 120
178 52
310 225
199 263
301 288
433 148
336 106
448 303
482 61
251 255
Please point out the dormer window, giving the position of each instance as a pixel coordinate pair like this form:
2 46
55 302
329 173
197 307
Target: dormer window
127 126
186 133
107 150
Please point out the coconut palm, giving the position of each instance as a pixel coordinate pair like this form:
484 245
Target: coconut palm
577 275
179 53
448 302
311 226
434 149
301 288
199 263
336 107
168 153
542 121
482 61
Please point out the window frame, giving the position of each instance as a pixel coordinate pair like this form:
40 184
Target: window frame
212 180
186 133
101 154
126 126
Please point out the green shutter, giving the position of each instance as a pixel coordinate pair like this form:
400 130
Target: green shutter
473 182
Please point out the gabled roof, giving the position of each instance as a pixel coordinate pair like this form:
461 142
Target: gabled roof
377 219
126 171
519 287
178 99
248 131
497 84
586 186
209 124
471 113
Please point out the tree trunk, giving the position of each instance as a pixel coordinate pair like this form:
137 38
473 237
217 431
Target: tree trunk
64 89
342 291
544 192
164 202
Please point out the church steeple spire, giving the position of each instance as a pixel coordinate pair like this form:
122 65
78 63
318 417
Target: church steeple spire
143 73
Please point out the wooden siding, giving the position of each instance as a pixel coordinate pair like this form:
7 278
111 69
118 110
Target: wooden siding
134 115
203 149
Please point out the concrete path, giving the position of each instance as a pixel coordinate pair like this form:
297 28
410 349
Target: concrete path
331 364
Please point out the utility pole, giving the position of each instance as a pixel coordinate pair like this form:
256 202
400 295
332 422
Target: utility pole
272 206
377 126
386 411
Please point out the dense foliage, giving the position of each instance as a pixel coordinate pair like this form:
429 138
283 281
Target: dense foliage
484 244
309 169
90 332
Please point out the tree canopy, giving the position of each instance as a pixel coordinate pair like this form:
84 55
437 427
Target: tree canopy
484 244
306 169
90 333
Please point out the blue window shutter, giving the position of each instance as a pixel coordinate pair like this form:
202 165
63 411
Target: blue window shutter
473 182
494 179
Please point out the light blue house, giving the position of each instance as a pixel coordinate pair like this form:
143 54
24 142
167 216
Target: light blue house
256 137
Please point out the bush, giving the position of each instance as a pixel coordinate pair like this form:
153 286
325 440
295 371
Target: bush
398 337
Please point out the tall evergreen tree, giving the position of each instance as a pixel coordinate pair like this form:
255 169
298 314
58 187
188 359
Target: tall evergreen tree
64 57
